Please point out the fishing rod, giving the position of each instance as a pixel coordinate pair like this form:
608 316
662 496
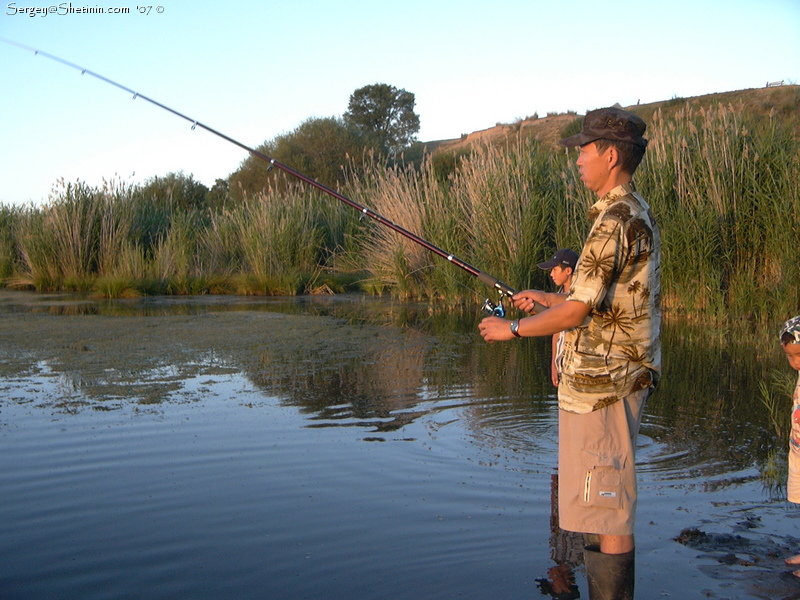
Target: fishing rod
489 307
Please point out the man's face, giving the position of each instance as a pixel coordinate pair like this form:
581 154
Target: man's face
594 167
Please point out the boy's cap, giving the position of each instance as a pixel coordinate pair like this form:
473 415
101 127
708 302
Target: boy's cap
563 258
609 124
791 331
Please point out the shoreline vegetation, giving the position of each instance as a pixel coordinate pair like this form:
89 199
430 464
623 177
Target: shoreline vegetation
722 181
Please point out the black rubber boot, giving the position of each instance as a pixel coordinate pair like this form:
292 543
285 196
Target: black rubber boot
610 576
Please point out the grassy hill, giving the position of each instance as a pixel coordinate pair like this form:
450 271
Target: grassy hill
782 101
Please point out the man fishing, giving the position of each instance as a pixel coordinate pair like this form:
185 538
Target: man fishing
611 354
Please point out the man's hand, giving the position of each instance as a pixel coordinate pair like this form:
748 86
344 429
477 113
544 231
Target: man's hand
495 329
527 299
564 315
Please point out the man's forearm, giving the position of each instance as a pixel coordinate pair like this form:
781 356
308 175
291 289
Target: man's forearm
552 299
564 315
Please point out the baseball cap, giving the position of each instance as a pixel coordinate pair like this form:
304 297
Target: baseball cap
609 124
563 258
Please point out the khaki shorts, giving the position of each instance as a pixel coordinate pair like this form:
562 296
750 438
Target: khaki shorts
793 482
596 467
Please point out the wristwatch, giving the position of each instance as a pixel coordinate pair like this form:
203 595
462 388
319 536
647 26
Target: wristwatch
515 328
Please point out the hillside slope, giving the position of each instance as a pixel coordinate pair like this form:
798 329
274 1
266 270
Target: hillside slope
783 101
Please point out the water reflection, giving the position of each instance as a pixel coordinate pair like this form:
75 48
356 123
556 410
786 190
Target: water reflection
364 369
566 551
397 362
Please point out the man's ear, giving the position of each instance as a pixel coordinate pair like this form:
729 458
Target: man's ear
613 157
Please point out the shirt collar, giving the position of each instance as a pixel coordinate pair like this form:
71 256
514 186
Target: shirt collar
612 196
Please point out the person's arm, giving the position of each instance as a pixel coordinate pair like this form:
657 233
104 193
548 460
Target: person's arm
527 299
565 315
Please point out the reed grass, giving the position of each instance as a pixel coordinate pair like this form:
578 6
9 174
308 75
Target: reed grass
520 209
420 204
775 390
272 242
723 186
725 191
9 216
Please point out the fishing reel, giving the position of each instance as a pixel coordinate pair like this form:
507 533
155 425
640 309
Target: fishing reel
492 309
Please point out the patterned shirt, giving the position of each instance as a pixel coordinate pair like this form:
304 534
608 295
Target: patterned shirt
617 349
794 436
793 481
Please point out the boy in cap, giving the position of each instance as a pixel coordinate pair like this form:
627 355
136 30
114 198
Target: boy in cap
561 266
612 350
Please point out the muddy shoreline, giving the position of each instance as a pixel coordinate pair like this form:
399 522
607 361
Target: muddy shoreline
114 343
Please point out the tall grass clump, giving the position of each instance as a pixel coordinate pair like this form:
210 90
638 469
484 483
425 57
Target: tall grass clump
508 216
420 203
60 244
120 266
277 239
501 210
725 192
520 209
775 393
176 261
9 224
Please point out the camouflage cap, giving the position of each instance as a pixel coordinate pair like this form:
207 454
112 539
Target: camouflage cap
790 332
612 124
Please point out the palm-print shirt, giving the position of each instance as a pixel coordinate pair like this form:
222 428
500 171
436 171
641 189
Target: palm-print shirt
793 482
794 437
617 350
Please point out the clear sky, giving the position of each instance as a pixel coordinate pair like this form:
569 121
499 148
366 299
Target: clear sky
254 69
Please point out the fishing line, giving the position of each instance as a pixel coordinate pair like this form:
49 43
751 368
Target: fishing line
488 306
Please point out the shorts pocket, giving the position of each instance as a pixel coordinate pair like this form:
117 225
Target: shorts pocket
603 484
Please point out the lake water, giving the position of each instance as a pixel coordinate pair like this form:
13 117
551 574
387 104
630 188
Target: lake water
348 448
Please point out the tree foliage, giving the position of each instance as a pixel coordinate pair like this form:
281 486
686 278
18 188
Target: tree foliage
320 148
176 191
218 194
385 115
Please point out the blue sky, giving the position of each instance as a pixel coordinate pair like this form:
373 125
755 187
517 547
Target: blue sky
255 69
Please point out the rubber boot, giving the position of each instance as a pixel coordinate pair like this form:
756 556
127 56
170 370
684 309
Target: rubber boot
610 576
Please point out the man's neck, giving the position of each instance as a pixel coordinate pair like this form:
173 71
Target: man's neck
614 180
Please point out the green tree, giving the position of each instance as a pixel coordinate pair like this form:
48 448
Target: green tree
320 148
217 195
385 115
176 191
158 200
